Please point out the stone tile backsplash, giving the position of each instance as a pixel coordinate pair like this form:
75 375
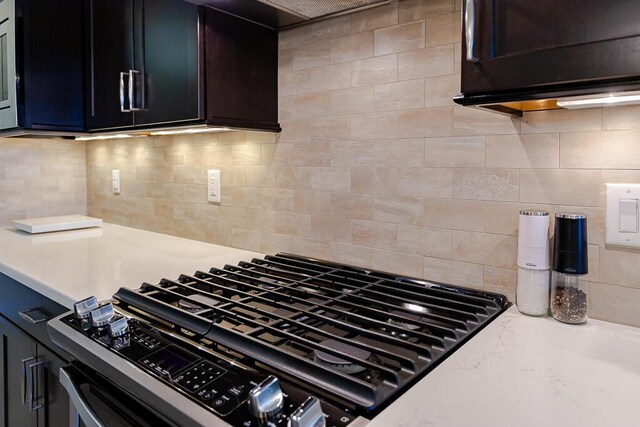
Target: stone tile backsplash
376 166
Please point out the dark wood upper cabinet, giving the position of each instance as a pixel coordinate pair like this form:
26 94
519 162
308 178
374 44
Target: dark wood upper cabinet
168 63
524 46
49 64
144 63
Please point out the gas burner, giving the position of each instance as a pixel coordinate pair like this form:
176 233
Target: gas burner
336 362
195 308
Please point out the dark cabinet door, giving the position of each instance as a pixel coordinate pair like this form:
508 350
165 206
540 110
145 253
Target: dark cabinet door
110 64
167 56
49 391
527 44
51 73
17 352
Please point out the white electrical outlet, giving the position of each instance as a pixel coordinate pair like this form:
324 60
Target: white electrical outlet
115 181
213 186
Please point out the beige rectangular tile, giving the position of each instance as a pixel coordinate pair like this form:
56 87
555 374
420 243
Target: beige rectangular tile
398 209
309 105
245 239
330 128
398 263
295 82
587 119
260 176
482 248
399 38
312 202
454 214
486 184
410 10
351 153
454 272
443 29
619 267
455 151
399 95
351 254
293 224
426 182
379 69
374 180
352 100
276 154
565 186
352 47
330 179
470 121
600 150
614 304
373 234
311 248
271 243
426 122
398 153
503 217
312 55
330 229
376 17
622 117
539 151
501 281
440 90
428 62
330 77
424 241
352 205
315 153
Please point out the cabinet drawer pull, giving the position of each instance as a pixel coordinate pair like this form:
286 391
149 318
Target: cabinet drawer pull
132 90
37 317
23 385
470 29
122 109
35 385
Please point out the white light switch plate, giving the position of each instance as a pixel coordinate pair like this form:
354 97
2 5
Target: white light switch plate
115 181
213 186
622 215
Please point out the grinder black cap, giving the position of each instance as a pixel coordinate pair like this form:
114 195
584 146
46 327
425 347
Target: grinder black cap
570 244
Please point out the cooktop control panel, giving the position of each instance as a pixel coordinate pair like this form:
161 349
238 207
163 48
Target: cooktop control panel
224 386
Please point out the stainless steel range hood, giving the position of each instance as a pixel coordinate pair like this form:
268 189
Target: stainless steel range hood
282 14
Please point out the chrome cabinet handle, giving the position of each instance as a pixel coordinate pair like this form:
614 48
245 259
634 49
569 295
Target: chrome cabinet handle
81 406
23 385
132 93
35 385
25 315
122 109
470 29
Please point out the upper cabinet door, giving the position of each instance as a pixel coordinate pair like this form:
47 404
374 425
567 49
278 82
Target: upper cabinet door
111 64
521 44
167 57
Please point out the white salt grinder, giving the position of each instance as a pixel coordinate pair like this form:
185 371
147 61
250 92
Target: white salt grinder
532 295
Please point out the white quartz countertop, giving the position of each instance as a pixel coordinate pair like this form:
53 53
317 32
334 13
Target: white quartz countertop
69 266
518 371
524 371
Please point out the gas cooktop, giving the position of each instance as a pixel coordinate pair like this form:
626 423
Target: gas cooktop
286 339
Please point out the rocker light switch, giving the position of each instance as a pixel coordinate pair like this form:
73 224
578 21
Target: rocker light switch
628 215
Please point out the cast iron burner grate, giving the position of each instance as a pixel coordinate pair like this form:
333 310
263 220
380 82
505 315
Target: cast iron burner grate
359 335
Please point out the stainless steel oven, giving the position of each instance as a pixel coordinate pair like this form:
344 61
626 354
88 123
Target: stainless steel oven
8 83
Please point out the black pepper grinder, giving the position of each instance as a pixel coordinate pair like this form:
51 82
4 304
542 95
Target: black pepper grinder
569 288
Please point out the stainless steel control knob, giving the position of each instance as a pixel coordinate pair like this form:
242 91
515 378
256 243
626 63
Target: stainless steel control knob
82 309
101 316
266 399
309 414
118 327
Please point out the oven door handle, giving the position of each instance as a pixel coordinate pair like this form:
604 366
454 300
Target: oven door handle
83 409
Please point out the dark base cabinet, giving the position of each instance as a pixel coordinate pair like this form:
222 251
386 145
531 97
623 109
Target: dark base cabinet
30 391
